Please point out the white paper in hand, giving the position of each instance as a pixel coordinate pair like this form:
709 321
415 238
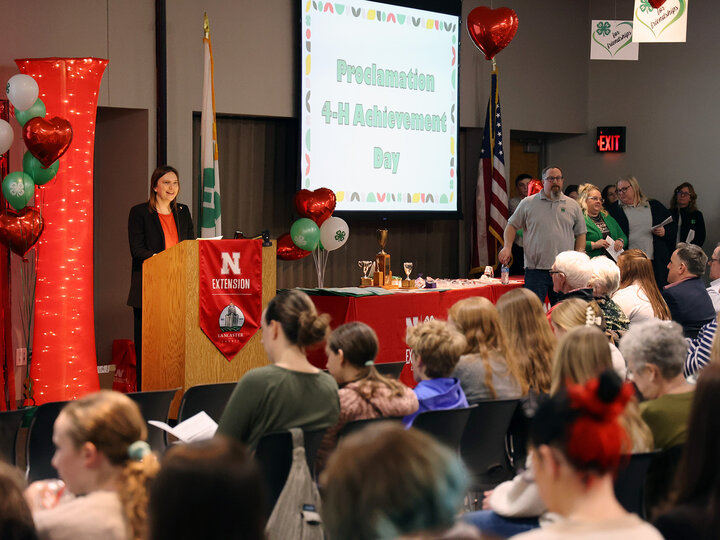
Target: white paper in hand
611 248
196 428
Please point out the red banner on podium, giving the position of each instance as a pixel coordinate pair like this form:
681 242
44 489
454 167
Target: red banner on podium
230 292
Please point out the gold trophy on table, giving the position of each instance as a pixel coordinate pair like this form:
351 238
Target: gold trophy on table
383 274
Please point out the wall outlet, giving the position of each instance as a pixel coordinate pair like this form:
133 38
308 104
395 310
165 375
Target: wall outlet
21 357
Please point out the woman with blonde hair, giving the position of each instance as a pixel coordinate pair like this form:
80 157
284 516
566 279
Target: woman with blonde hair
638 295
488 368
640 219
576 312
525 325
599 223
102 457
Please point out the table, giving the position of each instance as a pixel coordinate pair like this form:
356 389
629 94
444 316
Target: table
390 316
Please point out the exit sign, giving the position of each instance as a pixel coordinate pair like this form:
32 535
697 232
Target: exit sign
610 139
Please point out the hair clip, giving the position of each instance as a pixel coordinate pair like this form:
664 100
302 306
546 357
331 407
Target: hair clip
370 363
138 450
590 318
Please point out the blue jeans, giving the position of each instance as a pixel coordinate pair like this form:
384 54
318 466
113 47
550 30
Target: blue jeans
540 282
491 523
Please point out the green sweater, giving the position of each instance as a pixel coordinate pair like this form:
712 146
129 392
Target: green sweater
667 418
271 398
594 234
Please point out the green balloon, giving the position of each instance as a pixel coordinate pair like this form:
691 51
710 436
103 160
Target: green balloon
39 174
36 109
305 234
18 189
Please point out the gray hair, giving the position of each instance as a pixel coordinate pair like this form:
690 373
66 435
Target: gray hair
656 342
693 257
575 265
605 278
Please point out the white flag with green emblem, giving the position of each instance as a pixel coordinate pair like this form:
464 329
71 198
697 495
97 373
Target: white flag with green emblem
209 175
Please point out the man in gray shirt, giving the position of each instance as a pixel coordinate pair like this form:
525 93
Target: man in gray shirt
551 223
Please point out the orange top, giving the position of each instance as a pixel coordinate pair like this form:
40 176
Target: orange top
169 229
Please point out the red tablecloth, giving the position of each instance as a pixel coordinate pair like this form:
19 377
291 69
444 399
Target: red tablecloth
390 316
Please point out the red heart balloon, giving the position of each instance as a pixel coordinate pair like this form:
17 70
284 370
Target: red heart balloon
47 140
657 3
288 251
20 230
492 29
535 186
317 205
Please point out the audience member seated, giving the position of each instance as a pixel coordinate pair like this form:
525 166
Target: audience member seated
699 352
605 281
689 302
571 273
488 369
364 393
209 489
384 482
16 521
640 219
577 445
102 456
290 392
515 506
714 288
655 352
695 512
523 320
575 312
683 207
599 223
638 295
436 349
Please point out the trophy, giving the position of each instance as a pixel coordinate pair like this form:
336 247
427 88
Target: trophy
365 281
383 274
408 283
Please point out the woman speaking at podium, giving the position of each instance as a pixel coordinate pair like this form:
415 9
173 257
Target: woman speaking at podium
154 226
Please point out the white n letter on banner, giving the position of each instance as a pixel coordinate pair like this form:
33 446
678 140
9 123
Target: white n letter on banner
230 263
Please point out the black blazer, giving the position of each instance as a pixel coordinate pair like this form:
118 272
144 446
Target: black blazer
662 245
690 305
146 239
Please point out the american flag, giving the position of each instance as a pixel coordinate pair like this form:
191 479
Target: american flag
491 194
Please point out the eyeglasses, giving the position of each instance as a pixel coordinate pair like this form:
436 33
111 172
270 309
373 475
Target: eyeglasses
596 199
623 190
683 193
553 178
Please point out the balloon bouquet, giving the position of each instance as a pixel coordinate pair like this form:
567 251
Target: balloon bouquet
46 141
317 232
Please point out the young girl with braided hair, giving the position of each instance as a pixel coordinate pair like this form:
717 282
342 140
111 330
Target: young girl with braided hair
577 443
103 459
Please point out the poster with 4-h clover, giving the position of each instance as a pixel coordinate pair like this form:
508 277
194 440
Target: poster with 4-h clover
660 21
612 40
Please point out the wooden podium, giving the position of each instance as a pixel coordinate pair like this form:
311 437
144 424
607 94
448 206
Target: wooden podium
175 351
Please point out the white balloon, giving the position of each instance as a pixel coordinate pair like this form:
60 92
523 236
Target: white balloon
22 91
6 136
334 233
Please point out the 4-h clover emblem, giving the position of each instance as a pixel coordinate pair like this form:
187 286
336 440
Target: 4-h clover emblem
339 236
645 6
603 28
300 240
17 189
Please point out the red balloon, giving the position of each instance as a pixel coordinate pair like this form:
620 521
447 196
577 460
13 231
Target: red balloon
47 140
20 230
535 186
656 3
288 251
317 205
492 29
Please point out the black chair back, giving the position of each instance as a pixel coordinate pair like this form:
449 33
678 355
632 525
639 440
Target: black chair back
274 457
39 448
390 369
154 405
9 426
446 425
357 425
630 482
210 398
483 444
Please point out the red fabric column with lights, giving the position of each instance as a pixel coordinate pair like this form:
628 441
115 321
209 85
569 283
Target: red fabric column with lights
63 363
